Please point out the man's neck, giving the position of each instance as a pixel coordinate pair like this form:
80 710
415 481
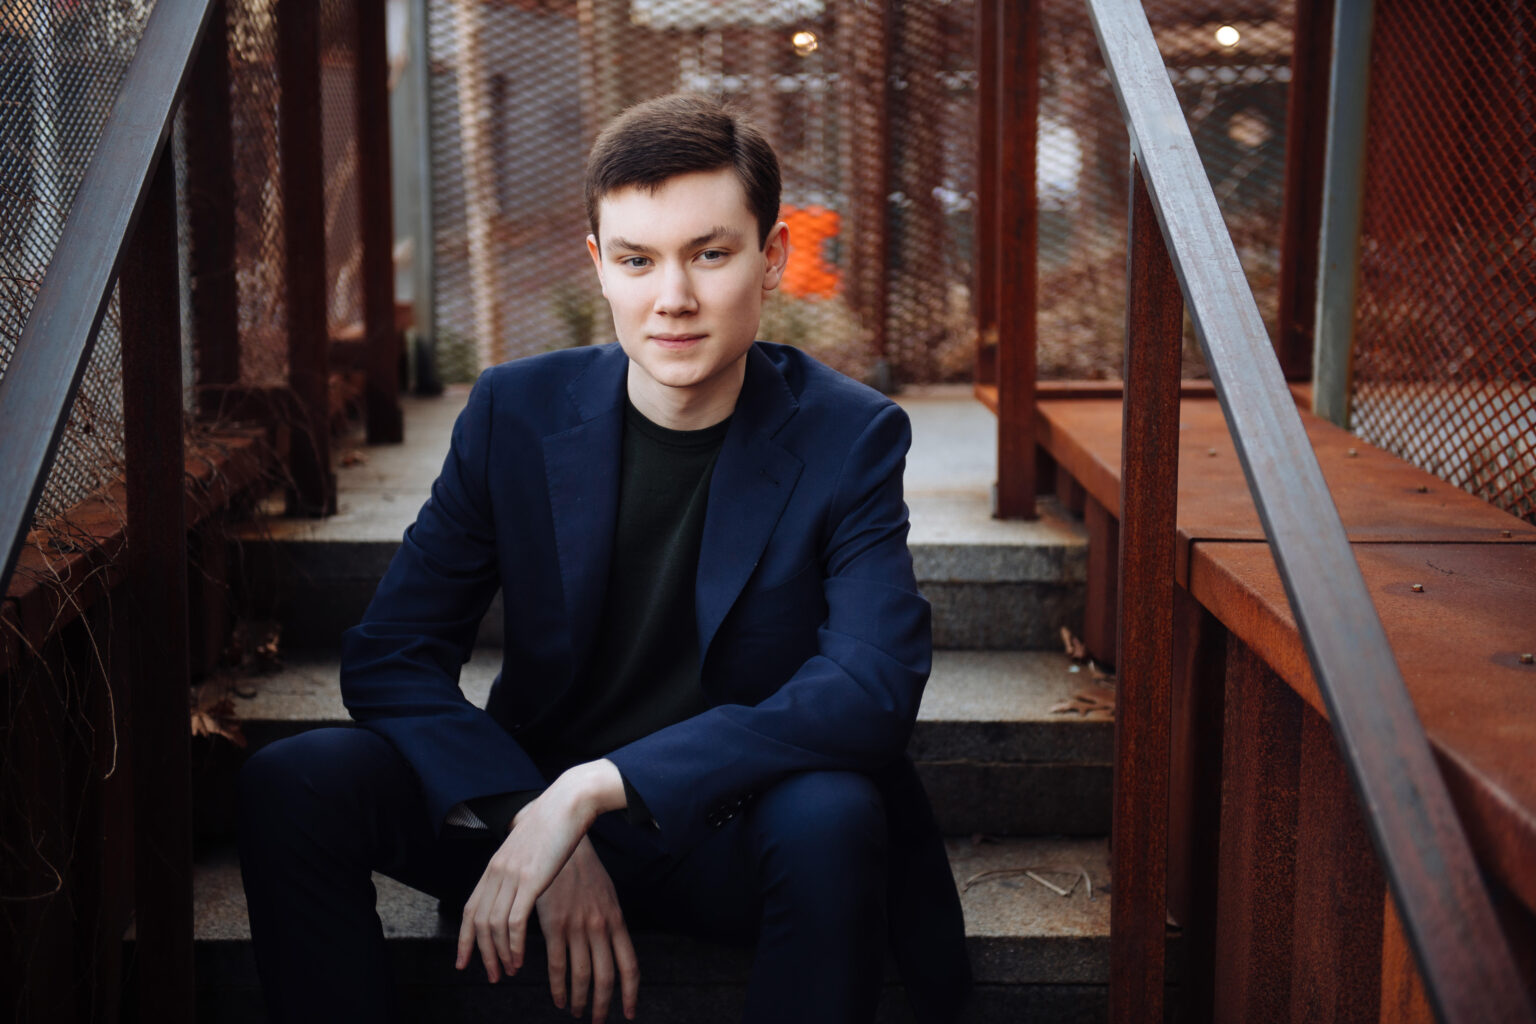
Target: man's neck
693 408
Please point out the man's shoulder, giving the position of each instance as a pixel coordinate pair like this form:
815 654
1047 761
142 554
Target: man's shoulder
557 369
822 391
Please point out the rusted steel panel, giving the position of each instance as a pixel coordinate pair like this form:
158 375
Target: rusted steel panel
1459 641
157 568
1380 498
1402 990
1100 623
303 178
1336 940
1069 493
1306 135
1256 880
1144 653
1018 40
1194 794
211 216
55 584
382 399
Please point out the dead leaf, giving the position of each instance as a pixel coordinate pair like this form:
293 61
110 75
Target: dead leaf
218 719
354 457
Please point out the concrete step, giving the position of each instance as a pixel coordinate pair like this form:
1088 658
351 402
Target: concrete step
994 756
1035 954
993 584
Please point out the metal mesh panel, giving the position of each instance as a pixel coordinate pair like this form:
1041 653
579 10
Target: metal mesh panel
1445 345
1230 68
60 66
519 90
338 112
259 235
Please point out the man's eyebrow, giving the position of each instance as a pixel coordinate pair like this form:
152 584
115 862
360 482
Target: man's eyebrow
719 234
716 234
616 244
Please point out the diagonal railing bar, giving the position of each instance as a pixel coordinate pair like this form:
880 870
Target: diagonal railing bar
1461 953
44 374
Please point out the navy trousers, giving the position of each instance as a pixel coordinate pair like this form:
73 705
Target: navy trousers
800 873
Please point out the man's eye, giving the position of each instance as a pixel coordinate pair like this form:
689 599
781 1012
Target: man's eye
634 262
712 255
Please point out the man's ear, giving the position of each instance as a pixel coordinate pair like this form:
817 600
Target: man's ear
776 252
597 262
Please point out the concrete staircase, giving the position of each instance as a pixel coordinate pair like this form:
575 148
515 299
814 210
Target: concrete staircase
1017 785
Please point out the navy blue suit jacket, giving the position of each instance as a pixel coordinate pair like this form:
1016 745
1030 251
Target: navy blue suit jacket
814 642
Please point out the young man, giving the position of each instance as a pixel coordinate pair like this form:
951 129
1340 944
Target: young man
712 631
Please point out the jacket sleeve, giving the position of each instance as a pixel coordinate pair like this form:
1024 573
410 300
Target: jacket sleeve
400 665
851 706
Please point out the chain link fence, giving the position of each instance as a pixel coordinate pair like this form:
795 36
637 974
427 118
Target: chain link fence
871 108
1445 342
1231 72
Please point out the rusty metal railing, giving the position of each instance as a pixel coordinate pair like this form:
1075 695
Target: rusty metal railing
1182 255
123 220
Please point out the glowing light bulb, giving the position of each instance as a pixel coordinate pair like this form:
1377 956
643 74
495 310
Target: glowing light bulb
805 42
1227 35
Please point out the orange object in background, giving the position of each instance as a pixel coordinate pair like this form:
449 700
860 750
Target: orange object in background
812 229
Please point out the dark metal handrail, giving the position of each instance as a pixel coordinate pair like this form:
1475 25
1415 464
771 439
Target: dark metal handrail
44 374
1461 953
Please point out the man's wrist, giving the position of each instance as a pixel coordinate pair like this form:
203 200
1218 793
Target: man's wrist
595 787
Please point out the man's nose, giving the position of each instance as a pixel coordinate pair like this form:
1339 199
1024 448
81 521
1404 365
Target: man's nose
676 296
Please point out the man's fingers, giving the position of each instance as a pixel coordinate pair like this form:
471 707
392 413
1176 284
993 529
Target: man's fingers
629 970
496 920
602 976
466 935
554 948
517 926
581 976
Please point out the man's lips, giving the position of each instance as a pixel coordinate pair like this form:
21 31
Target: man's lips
676 338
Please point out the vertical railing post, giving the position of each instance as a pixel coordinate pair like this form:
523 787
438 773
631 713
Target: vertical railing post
211 217
1306 134
1148 503
1018 40
986 191
300 143
157 566
378 231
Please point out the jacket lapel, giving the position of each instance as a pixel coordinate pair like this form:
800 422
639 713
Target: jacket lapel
583 498
753 480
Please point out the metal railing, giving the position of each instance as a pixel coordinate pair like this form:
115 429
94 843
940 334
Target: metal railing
1181 255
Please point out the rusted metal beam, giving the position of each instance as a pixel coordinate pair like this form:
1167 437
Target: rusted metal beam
1018 41
986 269
1306 138
211 216
382 396
50 357
301 142
1466 963
157 567
1148 503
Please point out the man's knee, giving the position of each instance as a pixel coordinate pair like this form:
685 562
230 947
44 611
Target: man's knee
314 774
835 819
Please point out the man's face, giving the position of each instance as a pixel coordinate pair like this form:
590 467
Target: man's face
686 279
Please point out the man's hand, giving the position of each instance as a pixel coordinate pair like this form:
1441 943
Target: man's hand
543 836
583 927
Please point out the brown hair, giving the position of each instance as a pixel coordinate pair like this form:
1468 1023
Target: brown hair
682 133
